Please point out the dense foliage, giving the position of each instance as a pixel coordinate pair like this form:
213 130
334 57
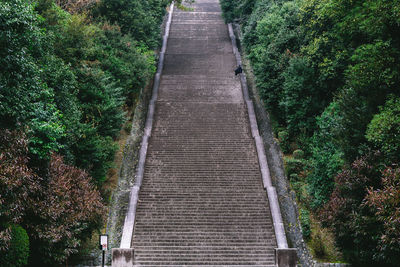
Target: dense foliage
329 74
69 71
17 252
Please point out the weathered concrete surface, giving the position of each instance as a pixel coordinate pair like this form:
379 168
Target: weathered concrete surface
202 200
286 257
122 257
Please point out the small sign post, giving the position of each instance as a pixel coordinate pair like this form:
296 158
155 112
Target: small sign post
103 246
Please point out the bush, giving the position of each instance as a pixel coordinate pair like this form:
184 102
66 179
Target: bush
326 157
19 185
271 36
293 166
317 245
301 101
69 192
384 130
298 154
305 224
237 9
356 227
386 202
140 19
64 84
284 142
18 250
370 78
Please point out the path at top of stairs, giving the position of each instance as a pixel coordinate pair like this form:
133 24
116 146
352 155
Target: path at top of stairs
202 200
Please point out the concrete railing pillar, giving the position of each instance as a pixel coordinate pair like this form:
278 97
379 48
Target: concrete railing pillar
122 257
286 257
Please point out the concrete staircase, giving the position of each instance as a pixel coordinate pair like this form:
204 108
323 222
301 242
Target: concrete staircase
202 200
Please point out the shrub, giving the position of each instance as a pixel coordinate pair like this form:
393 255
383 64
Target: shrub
356 227
140 19
317 245
305 224
385 203
384 130
18 250
70 208
284 142
301 101
19 185
298 154
370 78
293 166
236 9
326 157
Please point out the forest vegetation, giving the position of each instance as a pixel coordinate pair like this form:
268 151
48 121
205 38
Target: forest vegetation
69 72
328 72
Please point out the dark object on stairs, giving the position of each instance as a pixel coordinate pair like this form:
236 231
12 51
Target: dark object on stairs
238 70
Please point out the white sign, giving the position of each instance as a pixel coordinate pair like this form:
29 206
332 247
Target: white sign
104 242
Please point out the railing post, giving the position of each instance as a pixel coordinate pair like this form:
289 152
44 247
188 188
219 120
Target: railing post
122 257
286 257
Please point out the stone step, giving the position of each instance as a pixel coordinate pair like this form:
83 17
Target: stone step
215 243
193 20
161 233
204 218
191 64
191 31
214 251
201 7
201 263
200 78
194 265
198 45
174 229
201 16
208 265
163 186
202 200
180 261
200 237
176 259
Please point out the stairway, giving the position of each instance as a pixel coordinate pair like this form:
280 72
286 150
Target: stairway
202 201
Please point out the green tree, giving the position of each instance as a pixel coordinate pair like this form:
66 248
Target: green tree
384 130
371 77
326 158
300 101
141 19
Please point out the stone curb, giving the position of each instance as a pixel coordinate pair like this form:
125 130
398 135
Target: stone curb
129 223
271 191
